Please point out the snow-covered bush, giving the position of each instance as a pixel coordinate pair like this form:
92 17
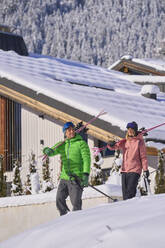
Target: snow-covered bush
115 175
160 175
32 185
16 186
3 190
47 184
96 175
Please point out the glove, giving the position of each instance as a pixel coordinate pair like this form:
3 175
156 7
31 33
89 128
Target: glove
143 129
85 178
146 173
112 143
48 151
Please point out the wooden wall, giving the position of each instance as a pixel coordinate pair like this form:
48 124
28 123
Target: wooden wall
2 125
10 131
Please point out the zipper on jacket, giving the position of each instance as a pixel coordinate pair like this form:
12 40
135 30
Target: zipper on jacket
68 158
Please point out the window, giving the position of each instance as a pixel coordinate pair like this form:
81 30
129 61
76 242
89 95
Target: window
106 152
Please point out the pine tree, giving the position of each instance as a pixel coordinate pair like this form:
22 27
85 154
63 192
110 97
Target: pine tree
3 186
27 186
160 175
115 175
16 184
47 185
96 175
160 51
32 185
34 177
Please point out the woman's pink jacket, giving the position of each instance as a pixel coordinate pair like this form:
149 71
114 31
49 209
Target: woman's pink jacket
134 154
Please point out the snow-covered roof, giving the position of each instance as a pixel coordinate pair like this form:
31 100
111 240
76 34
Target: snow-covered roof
157 64
86 87
144 79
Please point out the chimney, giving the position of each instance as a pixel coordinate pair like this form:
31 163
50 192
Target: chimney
150 91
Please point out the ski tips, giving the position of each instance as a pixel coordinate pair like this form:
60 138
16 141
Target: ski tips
102 112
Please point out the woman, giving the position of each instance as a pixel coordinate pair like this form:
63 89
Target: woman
134 159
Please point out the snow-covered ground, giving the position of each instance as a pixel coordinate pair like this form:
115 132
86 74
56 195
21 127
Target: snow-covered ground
109 189
134 223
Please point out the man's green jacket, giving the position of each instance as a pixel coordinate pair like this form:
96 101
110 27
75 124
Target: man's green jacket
75 156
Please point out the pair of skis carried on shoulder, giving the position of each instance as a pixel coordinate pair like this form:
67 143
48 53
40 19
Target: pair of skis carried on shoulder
143 132
102 112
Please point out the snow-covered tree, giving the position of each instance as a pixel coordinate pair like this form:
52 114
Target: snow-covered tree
160 175
96 175
3 188
160 51
27 186
32 185
88 31
47 184
16 187
115 175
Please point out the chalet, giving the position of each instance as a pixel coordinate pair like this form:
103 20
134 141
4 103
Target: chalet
38 94
142 71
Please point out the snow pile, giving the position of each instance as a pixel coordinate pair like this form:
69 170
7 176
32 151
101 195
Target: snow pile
35 183
134 223
127 57
151 89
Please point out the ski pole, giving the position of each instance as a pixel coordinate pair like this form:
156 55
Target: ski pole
102 112
147 185
114 200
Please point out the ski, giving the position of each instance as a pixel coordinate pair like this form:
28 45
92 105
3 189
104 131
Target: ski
150 129
102 112
97 149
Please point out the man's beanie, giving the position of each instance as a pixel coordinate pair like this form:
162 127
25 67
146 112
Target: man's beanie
67 125
132 125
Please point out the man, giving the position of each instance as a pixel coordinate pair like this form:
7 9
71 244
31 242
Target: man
75 157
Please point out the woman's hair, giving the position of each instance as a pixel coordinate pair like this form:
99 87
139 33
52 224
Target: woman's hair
127 136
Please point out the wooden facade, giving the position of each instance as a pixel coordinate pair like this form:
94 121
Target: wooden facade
133 68
2 125
10 131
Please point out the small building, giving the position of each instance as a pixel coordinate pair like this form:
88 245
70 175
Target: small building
142 71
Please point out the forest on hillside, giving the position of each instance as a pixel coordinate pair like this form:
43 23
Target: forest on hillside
93 31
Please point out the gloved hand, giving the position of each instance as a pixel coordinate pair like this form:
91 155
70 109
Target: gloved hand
143 129
48 151
84 182
146 173
112 143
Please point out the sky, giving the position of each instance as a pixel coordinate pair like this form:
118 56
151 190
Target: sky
134 223
86 87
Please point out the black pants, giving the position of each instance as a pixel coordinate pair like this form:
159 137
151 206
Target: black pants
72 189
129 184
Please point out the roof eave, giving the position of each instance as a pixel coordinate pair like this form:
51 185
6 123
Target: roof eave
58 110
